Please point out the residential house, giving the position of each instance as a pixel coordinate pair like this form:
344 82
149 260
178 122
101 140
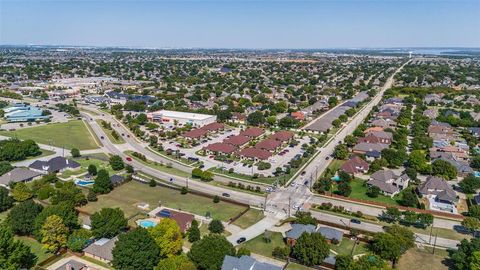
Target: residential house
384 123
184 220
219 148
372 155
298 115
297 230
239 118
18 175
254 154
439 193
253 132
101 249
363 148
331 234
355 165
388 182
54 165
283 136
246 263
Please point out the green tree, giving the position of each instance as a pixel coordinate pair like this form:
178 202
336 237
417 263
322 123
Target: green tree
444 168
6 202
168 237
302 217
78 240
256 118
391 244
311 249
208 253
102 182
13 253
409 198
340 152
92 169
193 232
116 163
344 262
216 226
470 184
395 158
418 161
54 234
75 152
471 223
243 251
350 140
139 243
5 167
70 193
462 257
108 222
344 189
21 192
180 262
64 210
21 217
332 101
373 191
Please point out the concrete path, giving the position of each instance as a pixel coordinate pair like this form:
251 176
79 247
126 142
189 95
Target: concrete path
254 230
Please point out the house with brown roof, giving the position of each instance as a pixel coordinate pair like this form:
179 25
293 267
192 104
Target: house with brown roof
253 132
184 220
221 148
237 140
195 134
213 127
239 118
101 249
298 115
355 165
269 145
254 154
283 136
371 138
384 123
363 148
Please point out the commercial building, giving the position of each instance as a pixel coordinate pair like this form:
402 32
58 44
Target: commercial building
181 118
20 112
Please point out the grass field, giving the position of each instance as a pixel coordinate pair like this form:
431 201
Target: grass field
73 134
259 246
296 266
36 248
120 140
423 259
128 195
251 217
84 163
345 247
159 167
359 191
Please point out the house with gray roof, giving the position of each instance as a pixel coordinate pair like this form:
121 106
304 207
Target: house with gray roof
297 230
439 193
331 234
18 175
73 265
246 263
101 249
54 165
389 182
363 148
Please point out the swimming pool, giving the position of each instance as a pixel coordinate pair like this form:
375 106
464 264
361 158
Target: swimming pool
336 178
84 183
476 174
147 223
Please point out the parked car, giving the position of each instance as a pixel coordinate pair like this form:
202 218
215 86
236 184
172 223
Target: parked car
303 173
241 240
101 137
129 159
327 158
356 221
225 195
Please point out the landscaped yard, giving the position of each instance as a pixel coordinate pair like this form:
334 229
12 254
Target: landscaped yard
73 134
359 191
345 247
296 266
84 167
251 217
120 140
259 246
36 248
159 167
128 195
423 259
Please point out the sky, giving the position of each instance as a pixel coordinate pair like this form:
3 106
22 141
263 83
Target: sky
242 23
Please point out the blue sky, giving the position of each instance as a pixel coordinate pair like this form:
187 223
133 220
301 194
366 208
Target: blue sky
242 23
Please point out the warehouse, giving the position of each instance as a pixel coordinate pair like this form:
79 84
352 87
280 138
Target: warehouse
181 118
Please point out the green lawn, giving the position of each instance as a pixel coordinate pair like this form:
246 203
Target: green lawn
359 191
84 163
128 195
73 134
259 246
334 166
296 266
36 248
159 167
251 217
120 140
345 247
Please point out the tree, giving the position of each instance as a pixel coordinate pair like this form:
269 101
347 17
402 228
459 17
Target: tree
311 249
5 167
102 182
350 140
92 169
471 223
208 253
139 243
474 211
390 245
344 262
70 193
193 232
373 191
91 196
340 152
6 202
464 255
180 262
336 123
75 152
108 222
54 234
344 189
280 252
78 240
129 168
418 161
393 157
13 253
21 217
243 251
332 101
470 184
21 192
216 199
168 237
116 163
409 198
64 210
475 162
216 226
256 118
444 168
392 214
305 218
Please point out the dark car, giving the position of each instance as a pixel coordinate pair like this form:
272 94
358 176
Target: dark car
241 240
225 195
356 221
327 158
101 137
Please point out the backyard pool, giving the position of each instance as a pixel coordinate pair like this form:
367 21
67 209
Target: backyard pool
476 174
84 183
336 178
147 223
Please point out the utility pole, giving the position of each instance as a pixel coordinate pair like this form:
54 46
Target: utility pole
430 239
265 204
289 207
435 243
187 182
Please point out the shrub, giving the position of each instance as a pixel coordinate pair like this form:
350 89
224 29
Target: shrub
216 199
